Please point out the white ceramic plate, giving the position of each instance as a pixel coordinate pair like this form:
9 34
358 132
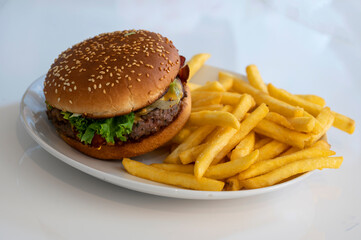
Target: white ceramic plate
32 111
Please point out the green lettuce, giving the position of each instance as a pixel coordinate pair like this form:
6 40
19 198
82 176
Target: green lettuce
109 128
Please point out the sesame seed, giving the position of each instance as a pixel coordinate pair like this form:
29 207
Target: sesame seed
104 91
100 85
89 89
59 99
70 102
95 86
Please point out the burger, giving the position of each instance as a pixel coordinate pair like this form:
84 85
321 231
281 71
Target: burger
118 94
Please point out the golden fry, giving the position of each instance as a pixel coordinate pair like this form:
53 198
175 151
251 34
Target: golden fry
290 170
271 150
279 119
189 168
172 178
217 118
181 135
214 107
261 142
225 80
190 155
206 100
196 62
232 184
302 124
313 99
231 168
255 79
326 119
344 123
244 147
212 86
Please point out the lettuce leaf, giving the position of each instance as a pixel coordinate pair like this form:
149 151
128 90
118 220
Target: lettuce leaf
108 128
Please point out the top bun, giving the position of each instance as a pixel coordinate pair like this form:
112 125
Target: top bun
112 74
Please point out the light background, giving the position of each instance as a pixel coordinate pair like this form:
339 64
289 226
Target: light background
303 46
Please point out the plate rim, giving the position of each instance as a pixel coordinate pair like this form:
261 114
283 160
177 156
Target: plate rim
142 186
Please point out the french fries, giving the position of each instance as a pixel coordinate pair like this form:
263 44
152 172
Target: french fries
245 135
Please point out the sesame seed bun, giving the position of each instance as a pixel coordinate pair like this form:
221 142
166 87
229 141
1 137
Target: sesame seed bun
112 74
131 149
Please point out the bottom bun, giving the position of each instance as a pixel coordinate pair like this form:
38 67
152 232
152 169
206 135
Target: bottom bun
147 144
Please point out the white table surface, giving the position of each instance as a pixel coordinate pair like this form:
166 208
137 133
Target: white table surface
303 46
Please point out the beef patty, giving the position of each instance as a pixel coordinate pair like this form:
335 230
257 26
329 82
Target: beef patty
144 125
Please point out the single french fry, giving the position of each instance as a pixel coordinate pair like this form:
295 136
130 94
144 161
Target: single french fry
274 104
199 95
181 135
279 119
214 107
189 168
326 119
193 86
290 170
217 118
266 166
230 98
302 124
172 178
225 80
247 125
271 150
194 139
232 184
282 134
344 123
212 86
313 99
318 127
190 155
226 97
223 136
231 168
261 142
244 147
322 144
255 79
206 100
289 151
196 62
